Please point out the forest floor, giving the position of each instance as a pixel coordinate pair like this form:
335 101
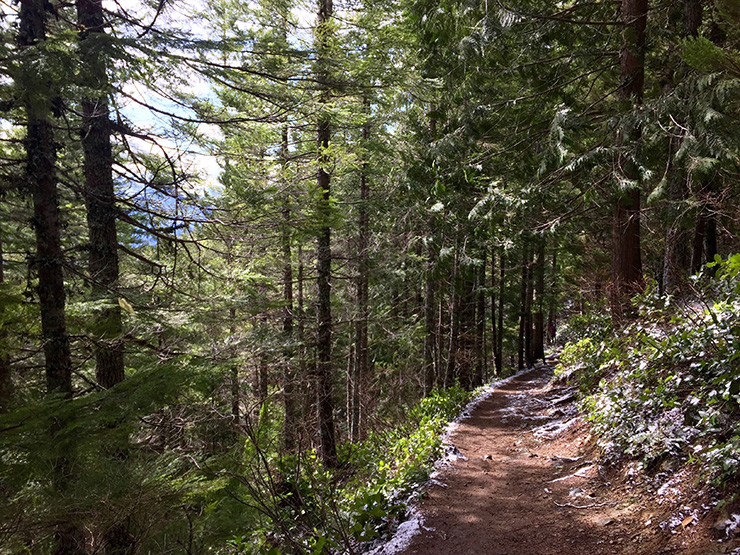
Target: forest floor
522 476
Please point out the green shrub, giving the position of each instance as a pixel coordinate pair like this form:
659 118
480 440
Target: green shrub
670 382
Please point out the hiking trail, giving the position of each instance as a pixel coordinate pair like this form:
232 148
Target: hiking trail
521 476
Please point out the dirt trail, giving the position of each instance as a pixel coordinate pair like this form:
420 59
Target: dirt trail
523 481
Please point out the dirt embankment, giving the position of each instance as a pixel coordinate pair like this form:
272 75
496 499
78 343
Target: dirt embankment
523 478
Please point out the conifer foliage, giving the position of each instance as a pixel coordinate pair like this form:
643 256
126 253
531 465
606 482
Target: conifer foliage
241 241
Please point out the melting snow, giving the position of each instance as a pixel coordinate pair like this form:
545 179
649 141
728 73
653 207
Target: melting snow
403 536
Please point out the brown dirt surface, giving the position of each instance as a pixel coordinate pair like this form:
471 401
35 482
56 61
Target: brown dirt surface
529 482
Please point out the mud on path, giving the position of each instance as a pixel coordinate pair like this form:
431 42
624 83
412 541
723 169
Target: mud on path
523 479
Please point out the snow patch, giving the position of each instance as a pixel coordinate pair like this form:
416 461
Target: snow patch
684 517
403 536
553 429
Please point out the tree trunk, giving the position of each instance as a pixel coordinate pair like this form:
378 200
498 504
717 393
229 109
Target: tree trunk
523 310
466 354
528 331
430 316
501 289
626 250
481 370
453 344
538 341
290 406
710 234
234 372
551 317
302 378
693 13
363 269
676 262
324 389
40 175
6 377
100 195
494 326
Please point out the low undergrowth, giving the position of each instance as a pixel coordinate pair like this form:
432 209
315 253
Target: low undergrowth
667 386
307 509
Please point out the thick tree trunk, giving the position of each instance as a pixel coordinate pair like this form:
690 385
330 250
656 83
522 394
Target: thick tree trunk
40 175
697 250
626 258
626 250
324 389
693 13
710 237
100 195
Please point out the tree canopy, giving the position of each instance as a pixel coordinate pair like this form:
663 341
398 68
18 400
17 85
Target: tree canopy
241 241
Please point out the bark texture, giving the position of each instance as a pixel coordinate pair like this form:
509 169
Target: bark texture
626 250
100 195
324 389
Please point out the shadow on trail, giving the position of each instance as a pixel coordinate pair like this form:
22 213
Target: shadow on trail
502 498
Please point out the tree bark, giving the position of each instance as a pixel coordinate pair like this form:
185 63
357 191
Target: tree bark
528 321
430 316
626 250
481 369
6 377
551 316
453 344
675 263
693 14
234 372
363 269
324 389
100 195
538 341
40 175
501 290
494 323
290 406
521 348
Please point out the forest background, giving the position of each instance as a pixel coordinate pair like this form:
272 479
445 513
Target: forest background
253 255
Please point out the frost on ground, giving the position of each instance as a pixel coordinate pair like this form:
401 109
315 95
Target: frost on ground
414 523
